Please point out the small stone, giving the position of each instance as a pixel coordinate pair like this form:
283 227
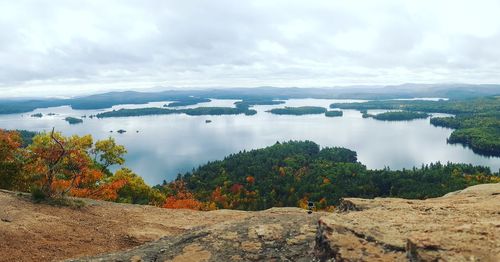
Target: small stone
236 258
229 236
250 246
136 259
193 252
266 232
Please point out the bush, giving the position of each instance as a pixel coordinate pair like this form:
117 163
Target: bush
38 195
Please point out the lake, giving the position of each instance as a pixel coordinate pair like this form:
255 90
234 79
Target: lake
168 144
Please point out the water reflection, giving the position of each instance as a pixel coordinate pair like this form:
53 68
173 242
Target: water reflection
169 144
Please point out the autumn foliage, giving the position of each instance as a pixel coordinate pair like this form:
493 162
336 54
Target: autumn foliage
11 175
288 174
181 198
57 166
250 179
63 166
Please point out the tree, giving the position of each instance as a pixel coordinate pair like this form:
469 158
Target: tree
62 165
11 161
135 190
108 153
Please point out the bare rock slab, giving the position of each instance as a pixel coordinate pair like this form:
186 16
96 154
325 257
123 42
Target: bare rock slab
461 226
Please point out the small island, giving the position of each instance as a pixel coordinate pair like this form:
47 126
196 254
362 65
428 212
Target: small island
397 116
73 120
301 110
334 113
39 115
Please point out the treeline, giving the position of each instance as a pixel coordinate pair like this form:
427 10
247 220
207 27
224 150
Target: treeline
292 173
477 121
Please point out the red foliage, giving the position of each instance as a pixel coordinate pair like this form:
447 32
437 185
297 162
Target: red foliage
236 188
9 141
250 179
181 198
217 196
188 203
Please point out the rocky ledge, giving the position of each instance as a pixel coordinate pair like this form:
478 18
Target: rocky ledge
460 226
277 234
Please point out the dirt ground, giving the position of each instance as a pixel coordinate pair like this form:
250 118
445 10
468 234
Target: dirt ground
41 232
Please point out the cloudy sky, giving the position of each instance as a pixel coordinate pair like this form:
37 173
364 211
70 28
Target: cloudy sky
67 47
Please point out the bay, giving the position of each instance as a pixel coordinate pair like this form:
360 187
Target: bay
160 147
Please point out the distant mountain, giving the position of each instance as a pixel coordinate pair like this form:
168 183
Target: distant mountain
106 100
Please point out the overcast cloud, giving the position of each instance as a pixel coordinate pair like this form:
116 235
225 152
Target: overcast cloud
66 47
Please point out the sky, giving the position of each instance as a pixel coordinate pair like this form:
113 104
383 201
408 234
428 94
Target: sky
72 47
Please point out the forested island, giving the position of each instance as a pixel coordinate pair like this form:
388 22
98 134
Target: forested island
476 121
292 173
38 115
199 111
73 120
397 115
301 110
247 103
188 102
334 113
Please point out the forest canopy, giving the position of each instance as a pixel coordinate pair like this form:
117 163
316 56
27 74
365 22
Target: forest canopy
292 173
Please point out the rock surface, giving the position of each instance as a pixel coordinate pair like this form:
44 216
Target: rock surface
42 232
461 226
277 234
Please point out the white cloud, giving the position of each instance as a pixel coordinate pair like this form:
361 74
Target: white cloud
56 47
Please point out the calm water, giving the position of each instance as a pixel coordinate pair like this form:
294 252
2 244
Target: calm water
168 144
